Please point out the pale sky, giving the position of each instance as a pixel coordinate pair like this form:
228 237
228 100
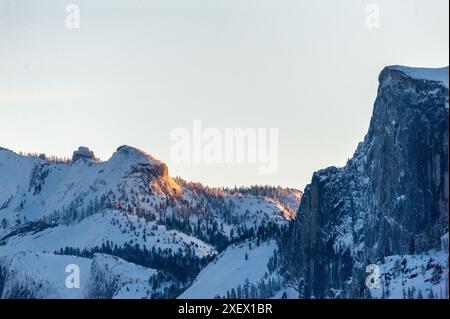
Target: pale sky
135 70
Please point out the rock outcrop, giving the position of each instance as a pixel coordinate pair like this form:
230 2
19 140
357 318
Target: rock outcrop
83 153
391 197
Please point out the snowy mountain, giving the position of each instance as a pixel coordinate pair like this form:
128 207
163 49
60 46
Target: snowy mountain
135 232
92 213
389 203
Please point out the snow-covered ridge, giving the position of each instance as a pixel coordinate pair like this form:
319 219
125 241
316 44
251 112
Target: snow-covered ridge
233 267
92 212
32 187
429 74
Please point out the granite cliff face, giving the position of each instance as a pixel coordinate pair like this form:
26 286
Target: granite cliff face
391 198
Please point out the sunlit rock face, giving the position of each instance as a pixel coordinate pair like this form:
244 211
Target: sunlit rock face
133 231
154 172
391 197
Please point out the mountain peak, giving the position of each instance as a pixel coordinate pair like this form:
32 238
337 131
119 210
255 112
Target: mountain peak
128 149
132 156
429 74
141 162
391 198
133 153
83 153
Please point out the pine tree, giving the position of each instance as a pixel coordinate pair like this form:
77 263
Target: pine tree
246 289
301 288
419 294
4 223
239 291
446 290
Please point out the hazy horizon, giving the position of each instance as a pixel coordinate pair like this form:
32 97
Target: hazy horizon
135 71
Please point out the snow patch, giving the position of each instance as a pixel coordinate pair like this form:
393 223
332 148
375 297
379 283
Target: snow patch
230 269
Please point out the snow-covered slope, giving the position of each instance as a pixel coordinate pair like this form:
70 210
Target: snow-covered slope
112 227
43 275
36 275
413 276
232 268
112 277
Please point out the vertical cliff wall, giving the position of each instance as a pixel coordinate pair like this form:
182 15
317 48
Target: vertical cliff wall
390 198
